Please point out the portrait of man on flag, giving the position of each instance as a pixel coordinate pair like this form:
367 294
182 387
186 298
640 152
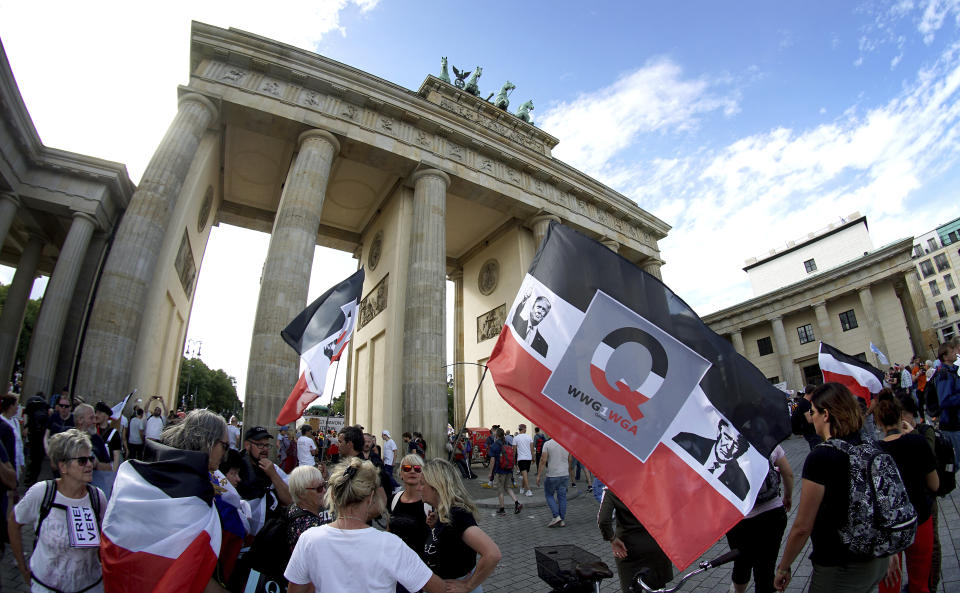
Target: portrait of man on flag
627 378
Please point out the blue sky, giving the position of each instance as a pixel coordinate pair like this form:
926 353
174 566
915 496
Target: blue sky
743 125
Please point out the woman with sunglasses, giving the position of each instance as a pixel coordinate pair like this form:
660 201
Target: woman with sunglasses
408 517
55 564
355 556
306 489
455 540
825 501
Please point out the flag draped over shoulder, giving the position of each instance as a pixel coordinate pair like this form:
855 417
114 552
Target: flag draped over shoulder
161 531
626 377
862 378
319 334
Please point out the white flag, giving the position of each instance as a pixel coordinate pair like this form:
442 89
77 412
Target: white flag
880 355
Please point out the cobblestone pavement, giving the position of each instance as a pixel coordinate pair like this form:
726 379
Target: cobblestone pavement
517 535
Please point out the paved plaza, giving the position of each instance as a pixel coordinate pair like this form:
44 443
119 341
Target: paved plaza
518 535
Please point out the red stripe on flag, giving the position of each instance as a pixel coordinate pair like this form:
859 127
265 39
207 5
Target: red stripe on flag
680 509
125 571
297 403
850 383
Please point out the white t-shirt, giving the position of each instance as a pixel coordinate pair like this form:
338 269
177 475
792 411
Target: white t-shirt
522 442
154 426
134 434
557 459
304 446
389 452
53 560
776 501
234 438
386 561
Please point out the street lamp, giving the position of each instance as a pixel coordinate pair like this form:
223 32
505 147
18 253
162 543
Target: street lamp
190 350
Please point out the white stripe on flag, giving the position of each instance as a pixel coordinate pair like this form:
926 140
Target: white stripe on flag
172 523
863 376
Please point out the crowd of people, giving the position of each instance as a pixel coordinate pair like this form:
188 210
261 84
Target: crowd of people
407 522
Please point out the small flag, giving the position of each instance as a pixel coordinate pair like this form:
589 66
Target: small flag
320 334
117 410
178 553
880 355
861 378
628 379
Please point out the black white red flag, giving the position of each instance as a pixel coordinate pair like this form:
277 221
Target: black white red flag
161 531
862 378
627 378
320 334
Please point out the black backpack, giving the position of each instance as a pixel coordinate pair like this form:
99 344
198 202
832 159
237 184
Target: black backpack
50 493
267 558
946 468
771 485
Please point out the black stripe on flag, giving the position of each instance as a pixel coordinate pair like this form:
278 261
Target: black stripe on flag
179 473
634 334
317 322
735 387
851 360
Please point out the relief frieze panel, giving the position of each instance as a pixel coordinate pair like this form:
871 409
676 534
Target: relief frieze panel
490 323
373 303
492 125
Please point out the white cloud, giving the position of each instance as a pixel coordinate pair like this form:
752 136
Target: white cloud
934 14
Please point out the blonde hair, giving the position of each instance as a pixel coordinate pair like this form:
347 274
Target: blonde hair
67 445
351 482
300 479
412 459
443 477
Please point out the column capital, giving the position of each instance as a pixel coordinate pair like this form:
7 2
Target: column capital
611 244
547 218
10 197
88 217
822 303
417 175
322 134
863 289
197 98
455 275
777 319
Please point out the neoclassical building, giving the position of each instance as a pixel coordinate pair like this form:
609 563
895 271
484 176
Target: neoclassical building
833 286
420 185
58 214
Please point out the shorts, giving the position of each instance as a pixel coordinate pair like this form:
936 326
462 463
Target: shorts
524 465
503 482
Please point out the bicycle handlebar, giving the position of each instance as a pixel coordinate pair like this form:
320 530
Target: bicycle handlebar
703 566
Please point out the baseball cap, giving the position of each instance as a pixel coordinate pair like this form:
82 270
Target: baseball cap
256 433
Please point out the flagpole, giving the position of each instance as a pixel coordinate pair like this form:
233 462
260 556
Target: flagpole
474 401
326 422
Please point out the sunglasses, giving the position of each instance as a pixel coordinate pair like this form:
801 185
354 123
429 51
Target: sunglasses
84 460
414 468
319 488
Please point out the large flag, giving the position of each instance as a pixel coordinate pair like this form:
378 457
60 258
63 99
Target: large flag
161 531
862 378
623 374
117 410
319 334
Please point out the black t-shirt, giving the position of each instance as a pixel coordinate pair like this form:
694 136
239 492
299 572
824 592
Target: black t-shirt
408 521
915 460
113 439
830 468
99 449
444 550
58 424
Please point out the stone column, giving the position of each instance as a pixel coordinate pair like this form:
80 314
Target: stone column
872 322
110 341
652 267
611 244
823 322
737 339
460 402
787 372
45 342
9 204
540 224
272 371
11 319
929 341
424 380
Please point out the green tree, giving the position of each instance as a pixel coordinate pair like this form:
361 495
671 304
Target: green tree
338 403
203 387
29 320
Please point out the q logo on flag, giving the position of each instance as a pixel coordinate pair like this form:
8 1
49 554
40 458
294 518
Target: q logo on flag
624 375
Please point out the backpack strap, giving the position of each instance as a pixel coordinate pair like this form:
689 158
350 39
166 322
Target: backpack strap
395 500
49 493
94 493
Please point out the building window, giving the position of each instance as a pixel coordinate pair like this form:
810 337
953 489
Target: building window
956 303
805 333
810 266
952 237
926 268
765 346
941 310
934 288
773 380
948 280
941 260
848 320
917 251
947 333
933 244
812 375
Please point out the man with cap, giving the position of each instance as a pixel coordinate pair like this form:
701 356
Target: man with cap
262 483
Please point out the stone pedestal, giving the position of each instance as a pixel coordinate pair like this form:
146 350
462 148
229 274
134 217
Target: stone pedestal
737 339
787 372
110 342
873 323
9 204
823 322
424 378
45 342
11 319
272 371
